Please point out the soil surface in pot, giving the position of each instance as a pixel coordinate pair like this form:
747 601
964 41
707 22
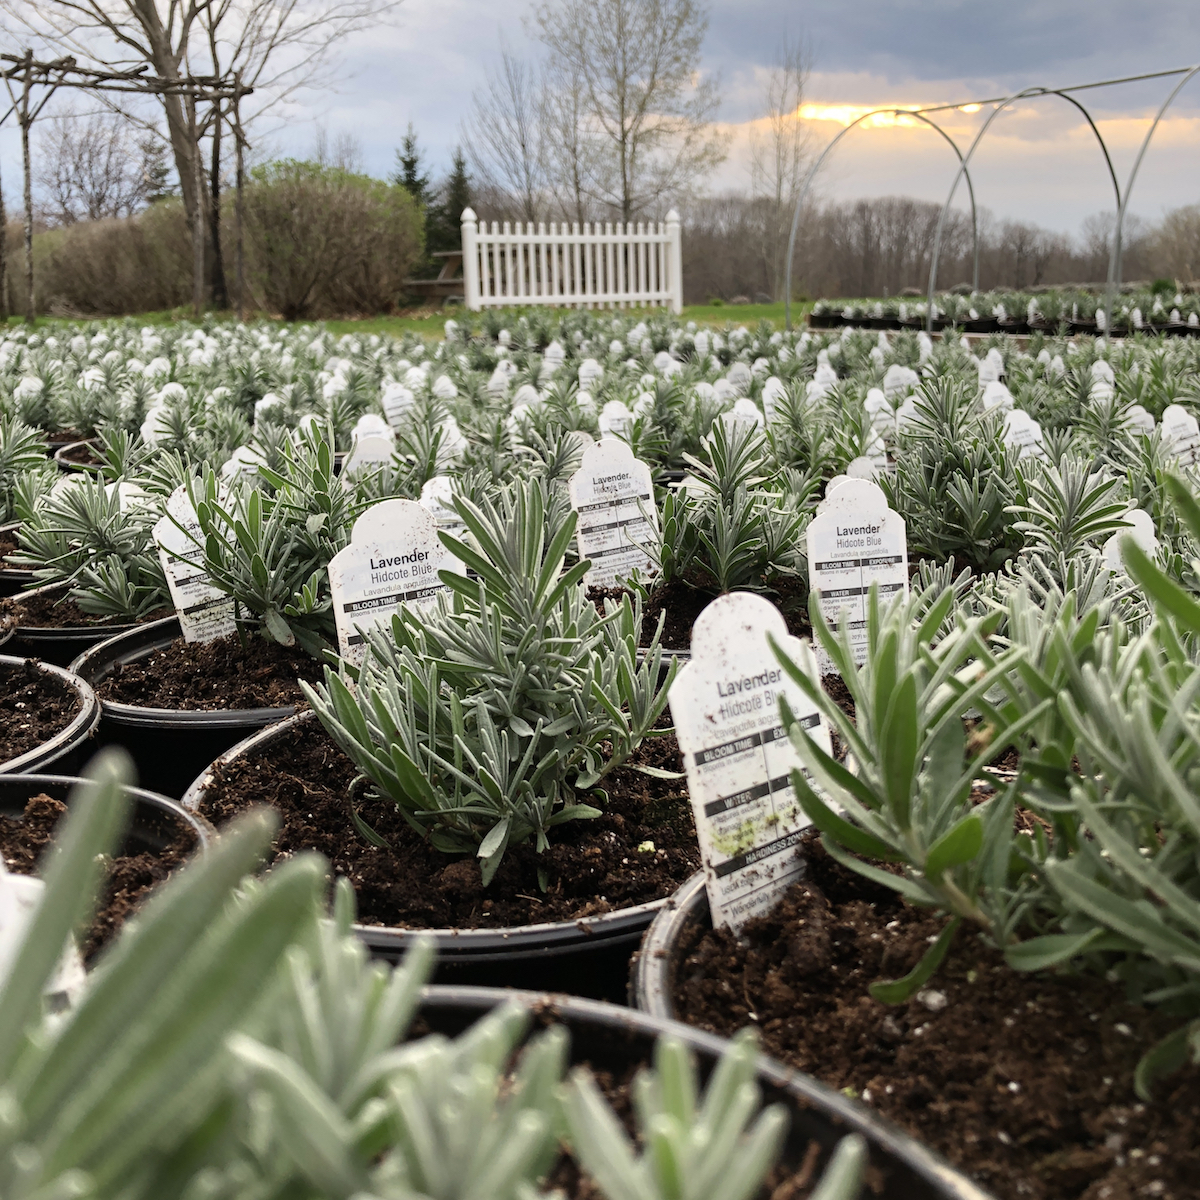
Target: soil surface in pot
8 544
1023 1081
84 454
53 610
206 676
591 867
23 840
683 603
34 706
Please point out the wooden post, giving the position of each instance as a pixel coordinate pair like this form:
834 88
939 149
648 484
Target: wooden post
23 119
471 294
197 182
674 280
239 209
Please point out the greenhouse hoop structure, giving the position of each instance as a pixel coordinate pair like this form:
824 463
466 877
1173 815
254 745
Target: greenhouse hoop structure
999 104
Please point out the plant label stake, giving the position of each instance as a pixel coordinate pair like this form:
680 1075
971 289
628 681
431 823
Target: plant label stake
205 612
1181 433
395 401
855 540
393 558
618 521
1020 429
437 498
20 898
739 760
1141 530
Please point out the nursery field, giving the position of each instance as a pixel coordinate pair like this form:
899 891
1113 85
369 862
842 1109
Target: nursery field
851 674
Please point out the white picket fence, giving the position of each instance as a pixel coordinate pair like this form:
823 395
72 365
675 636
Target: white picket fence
615 267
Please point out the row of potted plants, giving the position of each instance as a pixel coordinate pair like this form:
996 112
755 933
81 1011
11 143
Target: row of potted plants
1053 310
583 677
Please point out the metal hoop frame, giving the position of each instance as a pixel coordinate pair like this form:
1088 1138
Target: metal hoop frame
1001 103
812 174
1028 93
1114 257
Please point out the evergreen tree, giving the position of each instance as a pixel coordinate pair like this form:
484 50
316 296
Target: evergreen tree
408 169
443 229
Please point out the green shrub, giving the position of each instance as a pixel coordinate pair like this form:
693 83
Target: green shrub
321 240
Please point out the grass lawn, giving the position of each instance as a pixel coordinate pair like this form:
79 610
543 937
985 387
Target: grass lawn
429 322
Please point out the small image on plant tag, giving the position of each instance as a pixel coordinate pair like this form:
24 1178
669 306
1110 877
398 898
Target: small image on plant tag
618 522
855 540
205 612
393 558
738 757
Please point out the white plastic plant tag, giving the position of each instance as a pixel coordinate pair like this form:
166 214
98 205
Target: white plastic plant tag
205 612
20 896
1142 533
437 498
615 419
370 451
855 541
396 400
863 467
773 391
997 396
618 522
739 760
1139 420
1020 429
1181 433
393 558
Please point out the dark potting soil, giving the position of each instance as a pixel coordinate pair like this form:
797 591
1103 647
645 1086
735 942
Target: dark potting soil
129 877
683 603
54 610
592 867
221 674
1022 1081
34 706
85 454
8 544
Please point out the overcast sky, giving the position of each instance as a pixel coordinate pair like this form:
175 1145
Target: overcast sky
1039 163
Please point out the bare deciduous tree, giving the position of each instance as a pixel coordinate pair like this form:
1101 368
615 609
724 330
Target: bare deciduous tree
779 156
275 46
1174 247
570 161
92 167
504 137
647 111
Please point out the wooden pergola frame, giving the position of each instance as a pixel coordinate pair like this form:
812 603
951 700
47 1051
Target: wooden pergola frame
22 74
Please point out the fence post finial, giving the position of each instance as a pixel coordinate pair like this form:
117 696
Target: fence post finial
471 294
674 261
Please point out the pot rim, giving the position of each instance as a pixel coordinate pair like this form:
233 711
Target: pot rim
62 632
804 1091
65 464
96 662
203 828
621 922
81 727
650 978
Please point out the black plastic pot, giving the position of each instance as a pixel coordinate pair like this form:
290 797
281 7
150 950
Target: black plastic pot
68 748
613 1039
826 320
154 824
588 957
68 464
60 644
12 579
170 746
